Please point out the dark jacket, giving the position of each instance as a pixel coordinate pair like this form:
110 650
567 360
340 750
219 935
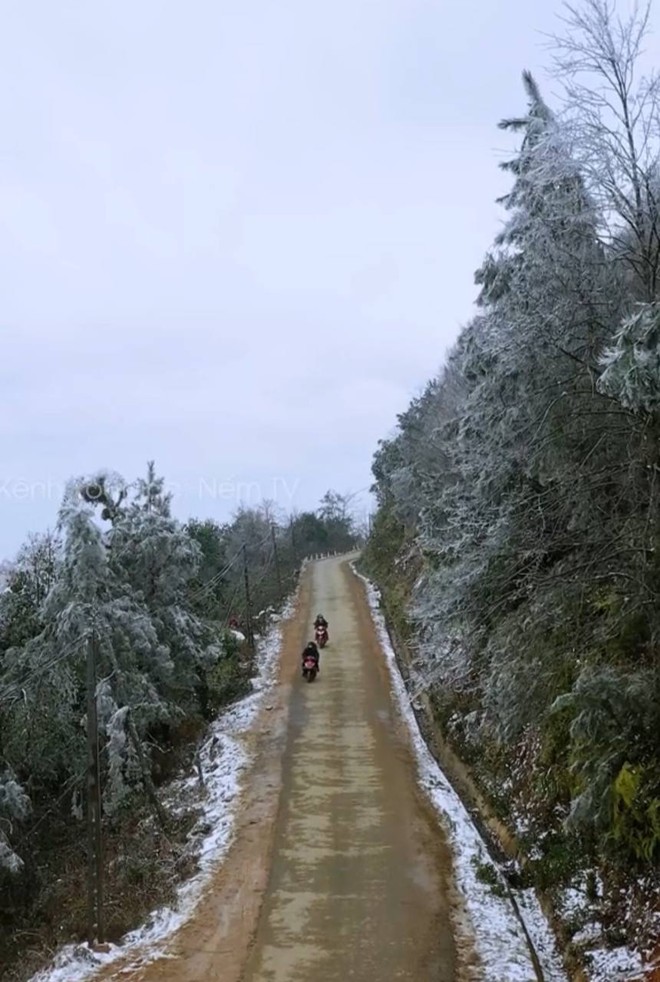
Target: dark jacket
312 650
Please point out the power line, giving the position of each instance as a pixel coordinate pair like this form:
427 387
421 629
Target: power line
13 688
232 600
68 785
229 566
41 669
217 576
248 602
277 560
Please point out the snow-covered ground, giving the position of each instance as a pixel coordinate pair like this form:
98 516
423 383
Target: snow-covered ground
615 965
605 965
223 760
494 926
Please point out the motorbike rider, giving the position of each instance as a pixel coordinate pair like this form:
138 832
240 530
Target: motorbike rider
311 651
321 621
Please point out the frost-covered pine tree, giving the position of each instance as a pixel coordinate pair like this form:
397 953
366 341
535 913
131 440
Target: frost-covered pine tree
89 602
26 583
501 504
45 676
156 558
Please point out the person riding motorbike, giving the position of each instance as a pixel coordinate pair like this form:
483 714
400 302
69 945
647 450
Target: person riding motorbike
321 621
311 651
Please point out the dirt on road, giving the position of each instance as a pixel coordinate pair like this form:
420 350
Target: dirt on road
339 869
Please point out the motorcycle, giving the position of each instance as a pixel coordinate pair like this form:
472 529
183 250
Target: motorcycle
321 636
310 668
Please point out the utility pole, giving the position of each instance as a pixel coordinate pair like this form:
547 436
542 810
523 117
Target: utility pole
95 927
293 541
248 602
277 561
294 551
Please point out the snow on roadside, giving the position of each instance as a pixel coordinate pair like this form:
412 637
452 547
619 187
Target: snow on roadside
223 759
540 934
494 926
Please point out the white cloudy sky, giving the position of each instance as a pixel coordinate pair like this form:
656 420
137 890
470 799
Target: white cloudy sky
238 235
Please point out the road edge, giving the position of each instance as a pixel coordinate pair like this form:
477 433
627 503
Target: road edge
545 966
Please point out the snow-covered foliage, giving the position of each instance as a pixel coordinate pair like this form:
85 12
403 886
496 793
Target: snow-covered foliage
25 584
632 365
161 607
118 749
14 807
224 758
519 500
124 591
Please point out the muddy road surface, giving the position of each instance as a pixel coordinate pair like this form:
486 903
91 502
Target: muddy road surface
339 870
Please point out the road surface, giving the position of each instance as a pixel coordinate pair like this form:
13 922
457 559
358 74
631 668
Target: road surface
356 889
339 870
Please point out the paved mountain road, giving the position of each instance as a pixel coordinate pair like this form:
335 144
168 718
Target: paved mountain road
339 870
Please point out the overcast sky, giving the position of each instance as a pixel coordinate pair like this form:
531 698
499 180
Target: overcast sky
237 236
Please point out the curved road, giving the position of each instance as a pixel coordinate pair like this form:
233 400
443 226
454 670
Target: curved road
339 869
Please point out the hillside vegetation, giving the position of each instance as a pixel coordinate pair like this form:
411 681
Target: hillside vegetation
154 597
517 537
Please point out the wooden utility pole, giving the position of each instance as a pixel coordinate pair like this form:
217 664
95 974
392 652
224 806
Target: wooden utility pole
95 926
248 602
277 561
294 547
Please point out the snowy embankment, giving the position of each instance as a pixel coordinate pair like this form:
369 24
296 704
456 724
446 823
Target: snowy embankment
494 926
223 760
577 906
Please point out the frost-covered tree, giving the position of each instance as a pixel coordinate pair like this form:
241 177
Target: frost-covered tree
125 585
42 735
14 807
614 109
91 602
27 581
632 365
519 498
526 363
156 558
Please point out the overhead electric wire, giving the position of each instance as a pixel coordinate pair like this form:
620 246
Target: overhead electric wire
216 577
41 669
229 565
14 688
